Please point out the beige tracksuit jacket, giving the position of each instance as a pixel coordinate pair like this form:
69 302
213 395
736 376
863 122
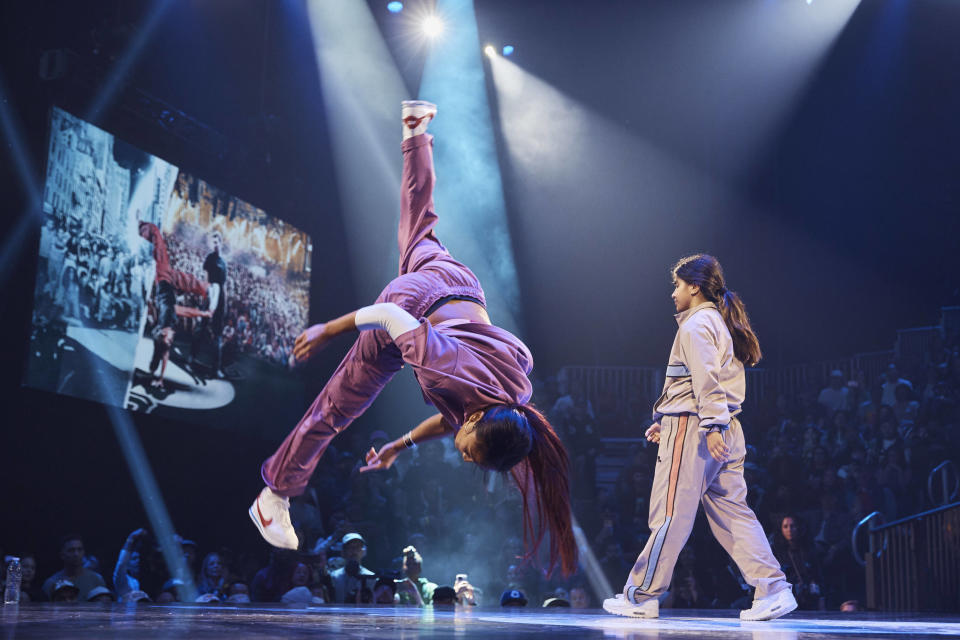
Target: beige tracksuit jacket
703 376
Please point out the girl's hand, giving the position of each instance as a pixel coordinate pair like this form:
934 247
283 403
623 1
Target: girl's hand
717 447
381 460
653 433
310 342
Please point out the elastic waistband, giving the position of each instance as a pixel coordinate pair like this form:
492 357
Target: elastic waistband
445 299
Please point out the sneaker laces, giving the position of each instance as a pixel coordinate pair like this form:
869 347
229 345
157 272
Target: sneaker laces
285 512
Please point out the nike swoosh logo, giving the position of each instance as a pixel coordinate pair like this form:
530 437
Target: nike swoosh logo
413 122
263 520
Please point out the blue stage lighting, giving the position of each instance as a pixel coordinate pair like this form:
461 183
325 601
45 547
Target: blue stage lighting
507 49
394 7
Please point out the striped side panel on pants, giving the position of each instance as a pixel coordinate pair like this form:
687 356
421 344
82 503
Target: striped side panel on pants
671 498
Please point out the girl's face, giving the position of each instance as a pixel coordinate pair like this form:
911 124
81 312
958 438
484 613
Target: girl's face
789 529
214 566
683 293
301 575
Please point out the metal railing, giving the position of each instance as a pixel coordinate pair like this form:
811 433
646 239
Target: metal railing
913 564
944 470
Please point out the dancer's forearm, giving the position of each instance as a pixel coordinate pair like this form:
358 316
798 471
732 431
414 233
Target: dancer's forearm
430 429
344 324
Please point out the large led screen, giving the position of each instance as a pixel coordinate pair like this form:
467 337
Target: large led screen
159 292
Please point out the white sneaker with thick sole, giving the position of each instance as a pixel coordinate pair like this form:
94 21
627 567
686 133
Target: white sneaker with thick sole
271 514
618 605
771 607
416 115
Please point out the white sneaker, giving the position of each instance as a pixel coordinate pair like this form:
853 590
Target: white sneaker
416 115
771 607
271 514
618 605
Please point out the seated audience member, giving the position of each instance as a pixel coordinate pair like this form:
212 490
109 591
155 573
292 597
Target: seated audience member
350 580
513 598
65 591
467 594
100 594
579 598
799 561
30 591
273 581
889 389
126 573
212 576
384 591
834 397
238 593
72 554
170 592
551 603
415 589
444 596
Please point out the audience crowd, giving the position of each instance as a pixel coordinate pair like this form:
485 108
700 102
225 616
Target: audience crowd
266 309
427 532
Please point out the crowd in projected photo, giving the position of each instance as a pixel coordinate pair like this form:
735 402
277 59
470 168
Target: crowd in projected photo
155 290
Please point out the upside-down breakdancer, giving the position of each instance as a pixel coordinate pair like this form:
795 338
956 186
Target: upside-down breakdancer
432 317
702 449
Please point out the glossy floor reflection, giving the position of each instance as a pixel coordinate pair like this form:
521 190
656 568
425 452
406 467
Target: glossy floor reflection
328 621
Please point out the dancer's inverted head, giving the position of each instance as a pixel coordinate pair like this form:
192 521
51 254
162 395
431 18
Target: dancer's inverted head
702 273
520 439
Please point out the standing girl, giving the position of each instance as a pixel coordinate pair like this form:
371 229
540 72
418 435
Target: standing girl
702 450
433 318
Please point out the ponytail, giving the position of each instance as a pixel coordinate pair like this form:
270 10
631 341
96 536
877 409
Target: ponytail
746 346
546 472
519 439
704 271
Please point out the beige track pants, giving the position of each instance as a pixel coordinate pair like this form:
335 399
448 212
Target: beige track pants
686 475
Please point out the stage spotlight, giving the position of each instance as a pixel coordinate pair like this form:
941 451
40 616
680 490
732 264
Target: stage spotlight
394 7
489 51
432 26
507 49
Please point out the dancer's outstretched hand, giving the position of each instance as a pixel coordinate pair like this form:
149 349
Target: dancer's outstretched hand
653 433
310 342
380 460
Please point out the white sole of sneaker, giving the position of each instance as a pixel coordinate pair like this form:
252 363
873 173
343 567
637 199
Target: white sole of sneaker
263 532
629 613
773 615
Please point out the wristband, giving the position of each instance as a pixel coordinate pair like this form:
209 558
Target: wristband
408 440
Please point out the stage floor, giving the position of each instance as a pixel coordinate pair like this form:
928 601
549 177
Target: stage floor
329 621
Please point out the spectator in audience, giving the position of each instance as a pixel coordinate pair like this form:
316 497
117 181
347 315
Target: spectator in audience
238 593
353 577
513 598
126 573
834 397
891 380
415 589
83 579
384 591
905 408
100 594
30 591
64 590
444 596
799 561
212 576
579 598
169 592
